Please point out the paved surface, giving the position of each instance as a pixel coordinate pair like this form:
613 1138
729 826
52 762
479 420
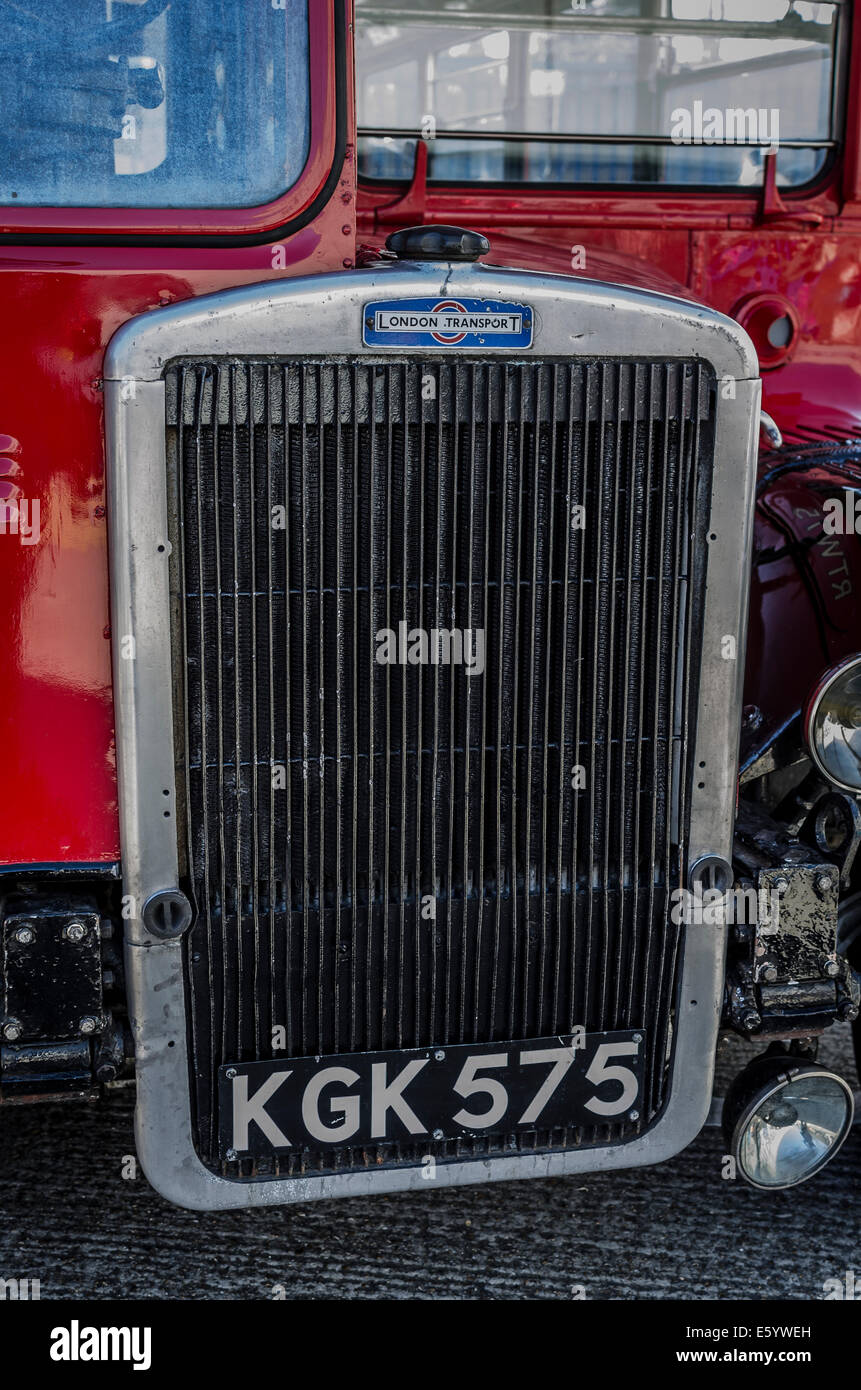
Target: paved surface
70 1219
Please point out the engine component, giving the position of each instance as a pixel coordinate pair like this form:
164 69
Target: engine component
784 976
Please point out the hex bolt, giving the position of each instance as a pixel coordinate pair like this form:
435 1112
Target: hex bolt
829 967
750 1019
231 1155
823 882
769 973
439 1056
25 936
848 1011
638 1037
438 1134
12 1030
780 884
230 1073
633 1115
88 1024
75 931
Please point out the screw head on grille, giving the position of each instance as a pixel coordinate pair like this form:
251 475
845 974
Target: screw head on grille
437 244
167 914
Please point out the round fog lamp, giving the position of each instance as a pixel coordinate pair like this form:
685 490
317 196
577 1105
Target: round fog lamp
832 725
784 1119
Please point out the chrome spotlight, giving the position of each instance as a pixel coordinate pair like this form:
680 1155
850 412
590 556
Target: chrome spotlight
832 724
785 1118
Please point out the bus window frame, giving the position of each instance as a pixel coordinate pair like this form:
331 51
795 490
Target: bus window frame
843 141
243 226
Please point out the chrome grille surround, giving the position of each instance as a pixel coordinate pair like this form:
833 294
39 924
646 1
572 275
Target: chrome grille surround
574 319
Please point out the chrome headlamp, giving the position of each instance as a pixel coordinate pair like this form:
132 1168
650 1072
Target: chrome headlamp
785 1118
832 725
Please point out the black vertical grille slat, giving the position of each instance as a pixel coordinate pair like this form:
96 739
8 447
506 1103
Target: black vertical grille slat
386 855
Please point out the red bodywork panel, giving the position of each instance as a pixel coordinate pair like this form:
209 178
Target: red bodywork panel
58 798
805 583
61 305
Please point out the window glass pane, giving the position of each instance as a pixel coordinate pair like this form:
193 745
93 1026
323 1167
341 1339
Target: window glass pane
709 78
152 103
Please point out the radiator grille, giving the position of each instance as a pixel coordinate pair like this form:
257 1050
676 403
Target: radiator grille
388 855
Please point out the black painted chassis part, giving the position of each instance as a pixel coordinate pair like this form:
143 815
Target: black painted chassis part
785 978
63 1027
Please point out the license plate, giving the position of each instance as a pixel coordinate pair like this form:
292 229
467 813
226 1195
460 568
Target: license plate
365 1098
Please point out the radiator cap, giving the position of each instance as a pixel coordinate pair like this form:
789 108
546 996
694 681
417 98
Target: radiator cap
437 244
167 914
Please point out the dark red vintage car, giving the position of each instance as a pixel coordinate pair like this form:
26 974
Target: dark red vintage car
431 470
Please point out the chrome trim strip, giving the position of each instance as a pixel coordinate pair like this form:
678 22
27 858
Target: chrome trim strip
573 317
321 314
140 636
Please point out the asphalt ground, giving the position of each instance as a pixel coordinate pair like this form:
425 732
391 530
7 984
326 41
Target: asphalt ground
71 1219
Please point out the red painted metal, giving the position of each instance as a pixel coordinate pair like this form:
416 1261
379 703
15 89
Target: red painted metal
759 315
806 586
61 304
60 307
